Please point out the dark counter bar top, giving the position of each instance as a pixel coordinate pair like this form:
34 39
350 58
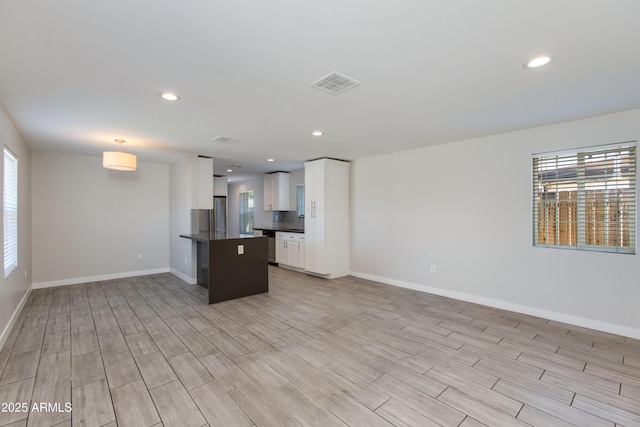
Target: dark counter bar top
206 237
284 230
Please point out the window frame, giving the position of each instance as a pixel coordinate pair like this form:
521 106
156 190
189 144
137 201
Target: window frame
300 200
10 207
589 186
246 212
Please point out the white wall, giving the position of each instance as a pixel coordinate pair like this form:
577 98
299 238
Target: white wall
181 199
90 223
466 208
14 288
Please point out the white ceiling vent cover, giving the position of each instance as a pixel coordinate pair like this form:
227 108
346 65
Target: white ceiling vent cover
335 83
223 139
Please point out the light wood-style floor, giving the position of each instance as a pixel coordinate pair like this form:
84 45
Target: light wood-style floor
150 350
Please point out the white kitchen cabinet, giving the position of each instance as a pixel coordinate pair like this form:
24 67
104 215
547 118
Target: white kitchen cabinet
276 191
315 243
204 183
326 220
282 253
314 185
293 249
290 249
220 187
302 254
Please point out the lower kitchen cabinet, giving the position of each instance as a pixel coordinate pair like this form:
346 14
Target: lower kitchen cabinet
297 256
290 249
282 252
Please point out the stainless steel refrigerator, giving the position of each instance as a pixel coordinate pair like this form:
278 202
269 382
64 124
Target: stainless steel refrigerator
219 217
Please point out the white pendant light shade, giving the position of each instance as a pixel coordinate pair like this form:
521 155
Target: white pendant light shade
118 160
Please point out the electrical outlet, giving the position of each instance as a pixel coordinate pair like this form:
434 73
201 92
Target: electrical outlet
140 256
185 260
240 249
433 268
25 274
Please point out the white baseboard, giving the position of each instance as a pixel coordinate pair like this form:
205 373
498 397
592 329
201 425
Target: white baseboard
88 279
505 305
74 281
14 317
189 280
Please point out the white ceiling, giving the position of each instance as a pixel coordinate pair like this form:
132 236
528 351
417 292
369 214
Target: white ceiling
77 74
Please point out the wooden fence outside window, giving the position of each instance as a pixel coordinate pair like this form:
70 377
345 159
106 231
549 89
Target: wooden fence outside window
606 219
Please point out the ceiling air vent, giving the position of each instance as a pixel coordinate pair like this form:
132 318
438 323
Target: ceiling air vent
335 83
223 140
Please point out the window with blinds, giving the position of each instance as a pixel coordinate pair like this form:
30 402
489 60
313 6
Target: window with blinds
586 199
246 212
10 211
300 200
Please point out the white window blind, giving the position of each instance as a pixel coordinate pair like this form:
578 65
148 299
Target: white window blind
246 212
586 199
10 211
300 200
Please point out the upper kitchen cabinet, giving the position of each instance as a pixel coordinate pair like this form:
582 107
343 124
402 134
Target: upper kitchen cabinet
314 184
276 191
220 187
326 219
204 183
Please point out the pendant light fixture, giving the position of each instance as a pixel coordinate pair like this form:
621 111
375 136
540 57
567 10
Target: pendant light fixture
118 160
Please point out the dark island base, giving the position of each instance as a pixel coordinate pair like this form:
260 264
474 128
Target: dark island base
202 266
235 276
232 268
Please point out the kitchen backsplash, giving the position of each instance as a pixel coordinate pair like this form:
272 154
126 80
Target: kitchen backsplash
287 219
199 220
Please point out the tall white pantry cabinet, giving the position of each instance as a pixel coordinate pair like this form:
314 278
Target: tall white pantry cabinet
326 217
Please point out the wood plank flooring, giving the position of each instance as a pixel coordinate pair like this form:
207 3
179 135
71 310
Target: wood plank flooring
150 351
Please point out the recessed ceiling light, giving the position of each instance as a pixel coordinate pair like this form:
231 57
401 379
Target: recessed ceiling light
317 133
228 180
167 96
229 170
538 61
270 160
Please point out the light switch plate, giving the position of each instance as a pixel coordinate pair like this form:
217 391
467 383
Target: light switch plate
240 249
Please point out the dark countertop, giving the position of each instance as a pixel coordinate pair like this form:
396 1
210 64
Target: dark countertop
206 237
284 230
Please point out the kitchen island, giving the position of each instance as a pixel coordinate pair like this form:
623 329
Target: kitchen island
231 267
